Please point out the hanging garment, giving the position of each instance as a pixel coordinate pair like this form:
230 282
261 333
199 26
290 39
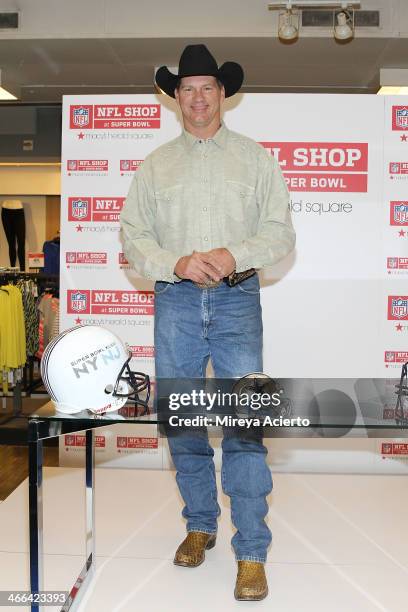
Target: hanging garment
14 227
12 328
48 307
29 293
51 250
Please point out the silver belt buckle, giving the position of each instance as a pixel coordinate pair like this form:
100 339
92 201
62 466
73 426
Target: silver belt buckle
210 284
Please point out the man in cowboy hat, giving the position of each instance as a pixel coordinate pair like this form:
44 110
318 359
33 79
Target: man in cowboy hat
200 208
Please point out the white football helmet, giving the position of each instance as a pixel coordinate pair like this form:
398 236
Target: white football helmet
87 367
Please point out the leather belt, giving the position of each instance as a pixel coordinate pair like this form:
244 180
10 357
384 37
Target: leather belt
231 280
210 284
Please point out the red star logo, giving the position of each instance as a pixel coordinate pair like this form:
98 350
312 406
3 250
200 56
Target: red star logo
403 137
401 233
78 321
398 327
81 136
78 228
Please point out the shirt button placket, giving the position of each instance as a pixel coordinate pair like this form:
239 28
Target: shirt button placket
206 193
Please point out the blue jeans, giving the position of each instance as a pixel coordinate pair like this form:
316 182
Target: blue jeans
225 324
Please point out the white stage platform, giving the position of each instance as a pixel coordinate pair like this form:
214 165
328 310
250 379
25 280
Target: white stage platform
340 543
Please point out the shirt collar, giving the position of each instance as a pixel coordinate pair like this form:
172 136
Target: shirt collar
220 137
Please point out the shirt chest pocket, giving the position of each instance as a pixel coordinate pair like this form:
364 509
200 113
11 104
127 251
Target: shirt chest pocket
169 206
240 201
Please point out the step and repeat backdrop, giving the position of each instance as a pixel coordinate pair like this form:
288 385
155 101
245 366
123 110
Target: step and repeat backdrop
337 307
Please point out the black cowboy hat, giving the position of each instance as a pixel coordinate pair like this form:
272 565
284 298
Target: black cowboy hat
196 60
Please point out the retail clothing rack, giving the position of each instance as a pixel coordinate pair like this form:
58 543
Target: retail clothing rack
29 383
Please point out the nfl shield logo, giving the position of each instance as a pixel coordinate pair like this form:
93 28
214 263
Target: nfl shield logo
401 213
72 164
401 116
399 307
389 356
80 209
125 164
80 116
392 262
394 167
78 301
71 257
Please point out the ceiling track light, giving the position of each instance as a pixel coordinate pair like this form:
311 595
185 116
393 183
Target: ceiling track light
343 25
288 28
344 4
289 19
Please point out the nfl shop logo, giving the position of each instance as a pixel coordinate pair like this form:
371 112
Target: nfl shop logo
78 301
389 356
394 168
80 116
386 448
399 307
71 257
401 213
79 209
392 262
72 164
125 165
401 117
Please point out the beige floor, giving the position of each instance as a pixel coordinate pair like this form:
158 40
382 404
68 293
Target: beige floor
340 544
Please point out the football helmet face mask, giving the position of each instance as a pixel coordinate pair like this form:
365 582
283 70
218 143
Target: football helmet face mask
136 381
88 367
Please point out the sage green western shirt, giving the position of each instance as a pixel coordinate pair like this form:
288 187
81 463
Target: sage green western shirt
197 195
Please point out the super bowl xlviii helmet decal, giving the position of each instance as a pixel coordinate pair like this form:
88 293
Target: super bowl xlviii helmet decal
88 367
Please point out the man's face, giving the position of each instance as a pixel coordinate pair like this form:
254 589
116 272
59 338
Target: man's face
200 99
